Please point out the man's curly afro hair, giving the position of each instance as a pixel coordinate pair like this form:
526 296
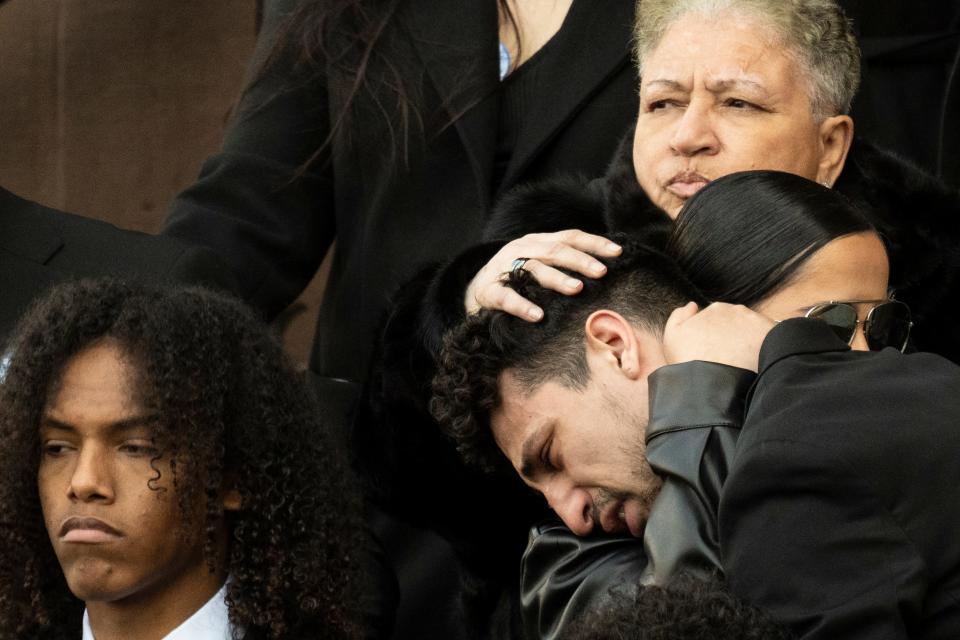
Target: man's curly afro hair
230 406
686 609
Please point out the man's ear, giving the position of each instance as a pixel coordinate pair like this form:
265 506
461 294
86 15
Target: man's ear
611 338
836 136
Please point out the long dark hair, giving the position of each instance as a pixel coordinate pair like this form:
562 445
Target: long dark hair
230 405
744 236
351 36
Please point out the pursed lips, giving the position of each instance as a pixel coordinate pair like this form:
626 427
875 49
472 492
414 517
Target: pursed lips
685 184
87 530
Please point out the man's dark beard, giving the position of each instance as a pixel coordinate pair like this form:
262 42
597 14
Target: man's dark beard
649 483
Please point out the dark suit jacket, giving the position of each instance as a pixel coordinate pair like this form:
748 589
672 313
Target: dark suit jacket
40 247
841 512
390 215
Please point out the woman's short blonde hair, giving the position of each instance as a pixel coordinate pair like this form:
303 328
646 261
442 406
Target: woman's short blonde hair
817 32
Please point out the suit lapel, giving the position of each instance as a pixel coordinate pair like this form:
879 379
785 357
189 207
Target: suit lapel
26 229
457 42
29 238
593 45
21 282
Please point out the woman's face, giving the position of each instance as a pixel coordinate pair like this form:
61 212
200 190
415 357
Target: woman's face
720 94
849 268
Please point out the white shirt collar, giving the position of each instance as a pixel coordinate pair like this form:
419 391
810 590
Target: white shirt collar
209 622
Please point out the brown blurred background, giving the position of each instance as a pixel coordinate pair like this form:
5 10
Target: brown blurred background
108 107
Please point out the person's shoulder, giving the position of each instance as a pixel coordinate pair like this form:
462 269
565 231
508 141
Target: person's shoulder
890 371
803 348
850 376
62 240
94 247
916 212
895 189
922 361
75 246
839 400
564 202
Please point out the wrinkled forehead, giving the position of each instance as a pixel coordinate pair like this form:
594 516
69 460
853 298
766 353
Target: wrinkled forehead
714 39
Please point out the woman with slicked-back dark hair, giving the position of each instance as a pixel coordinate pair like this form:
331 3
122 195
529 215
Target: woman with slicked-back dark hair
745 236
389 126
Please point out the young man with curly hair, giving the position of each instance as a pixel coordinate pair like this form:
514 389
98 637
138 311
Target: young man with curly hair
164 474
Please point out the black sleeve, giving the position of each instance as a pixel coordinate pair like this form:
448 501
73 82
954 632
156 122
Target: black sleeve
251 205
804 537
696 409
198 266
563 576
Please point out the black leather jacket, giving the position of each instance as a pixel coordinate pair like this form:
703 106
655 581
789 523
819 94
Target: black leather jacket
696 409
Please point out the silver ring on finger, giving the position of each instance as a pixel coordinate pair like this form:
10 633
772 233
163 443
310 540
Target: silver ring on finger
517 266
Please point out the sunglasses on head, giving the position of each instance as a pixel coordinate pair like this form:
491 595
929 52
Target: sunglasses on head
887 325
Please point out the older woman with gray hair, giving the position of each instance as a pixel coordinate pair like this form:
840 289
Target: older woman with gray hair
730 85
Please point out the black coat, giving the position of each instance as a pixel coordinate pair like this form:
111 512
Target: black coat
391 215
842 506
40 247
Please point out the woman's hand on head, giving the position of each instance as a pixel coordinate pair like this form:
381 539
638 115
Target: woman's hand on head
724 333
545 254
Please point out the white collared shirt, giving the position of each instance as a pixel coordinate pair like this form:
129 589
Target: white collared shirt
209 622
